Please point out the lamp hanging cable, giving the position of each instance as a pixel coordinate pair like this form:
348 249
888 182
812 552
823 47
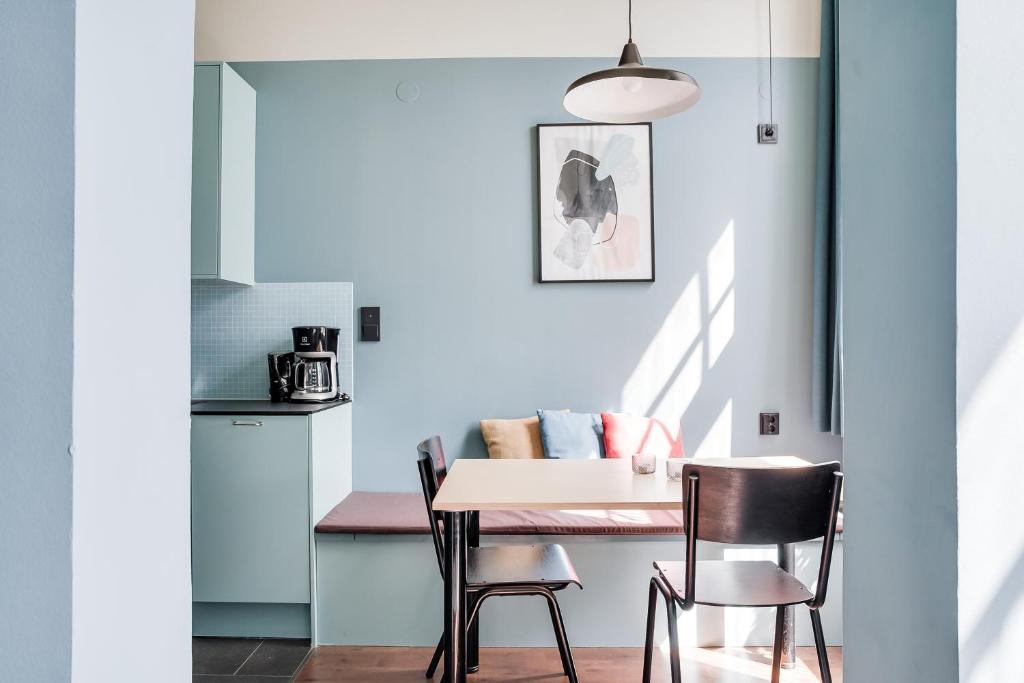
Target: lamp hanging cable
771 84
631 21
768 133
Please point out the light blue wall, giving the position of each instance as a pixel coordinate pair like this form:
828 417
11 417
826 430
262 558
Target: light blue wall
37 44
430 209
898 141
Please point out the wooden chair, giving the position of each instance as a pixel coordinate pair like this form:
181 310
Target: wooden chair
747 505
505 570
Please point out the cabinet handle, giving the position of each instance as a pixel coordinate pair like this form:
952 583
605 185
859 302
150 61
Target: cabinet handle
247 423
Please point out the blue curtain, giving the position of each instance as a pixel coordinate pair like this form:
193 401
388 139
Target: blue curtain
827 356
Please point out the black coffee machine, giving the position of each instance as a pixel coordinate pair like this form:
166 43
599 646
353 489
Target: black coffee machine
309 374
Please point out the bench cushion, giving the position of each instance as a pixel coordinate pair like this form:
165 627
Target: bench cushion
363 512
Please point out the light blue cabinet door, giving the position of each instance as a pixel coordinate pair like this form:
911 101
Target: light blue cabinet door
250 509
237 178
223 175
206 171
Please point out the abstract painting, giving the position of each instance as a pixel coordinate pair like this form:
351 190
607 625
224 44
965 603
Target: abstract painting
596 203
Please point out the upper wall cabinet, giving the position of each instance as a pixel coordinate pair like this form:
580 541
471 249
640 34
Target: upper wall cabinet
223 175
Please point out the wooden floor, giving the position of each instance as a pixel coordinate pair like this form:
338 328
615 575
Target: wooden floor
541 665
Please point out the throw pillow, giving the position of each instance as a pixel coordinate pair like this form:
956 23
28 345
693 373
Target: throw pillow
512 438
625 435
571 436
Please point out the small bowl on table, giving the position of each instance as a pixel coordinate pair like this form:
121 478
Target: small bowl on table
644 463
674 468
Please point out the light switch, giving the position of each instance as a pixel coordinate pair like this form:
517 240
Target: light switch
369 323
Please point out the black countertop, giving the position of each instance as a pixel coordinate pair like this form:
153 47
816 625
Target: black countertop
267 407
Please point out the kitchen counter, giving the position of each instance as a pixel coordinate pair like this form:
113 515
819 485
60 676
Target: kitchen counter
264 407
262 474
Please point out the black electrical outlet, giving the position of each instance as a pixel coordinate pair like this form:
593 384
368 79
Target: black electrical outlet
769 424
369 323
768 133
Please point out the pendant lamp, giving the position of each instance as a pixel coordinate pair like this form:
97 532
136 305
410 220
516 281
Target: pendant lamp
631 92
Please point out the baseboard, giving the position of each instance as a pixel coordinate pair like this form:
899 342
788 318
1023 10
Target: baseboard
250 620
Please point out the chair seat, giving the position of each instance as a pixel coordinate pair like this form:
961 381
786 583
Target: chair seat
542 564
736 584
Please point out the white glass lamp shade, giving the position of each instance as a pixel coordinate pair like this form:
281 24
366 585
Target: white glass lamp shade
631 92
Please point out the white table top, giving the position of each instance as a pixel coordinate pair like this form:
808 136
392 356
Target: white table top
481 484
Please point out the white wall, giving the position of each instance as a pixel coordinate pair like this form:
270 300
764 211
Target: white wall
268 30
131 549
990 343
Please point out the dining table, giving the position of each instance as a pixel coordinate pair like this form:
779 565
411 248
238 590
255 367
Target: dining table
472 485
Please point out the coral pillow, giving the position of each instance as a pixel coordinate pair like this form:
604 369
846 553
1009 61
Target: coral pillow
625 435
512 438
571 436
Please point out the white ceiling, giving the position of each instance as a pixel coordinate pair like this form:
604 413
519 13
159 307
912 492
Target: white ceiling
258 30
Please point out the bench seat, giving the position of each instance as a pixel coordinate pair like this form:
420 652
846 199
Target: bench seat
365 512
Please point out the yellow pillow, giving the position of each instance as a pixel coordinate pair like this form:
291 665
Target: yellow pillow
513 438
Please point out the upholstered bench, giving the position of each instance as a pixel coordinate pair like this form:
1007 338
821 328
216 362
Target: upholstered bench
366 512
374 549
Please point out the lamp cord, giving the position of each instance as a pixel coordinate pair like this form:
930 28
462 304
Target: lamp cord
771 85
631 21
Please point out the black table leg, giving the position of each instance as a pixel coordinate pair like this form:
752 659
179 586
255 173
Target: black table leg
455 597
787 561
473 635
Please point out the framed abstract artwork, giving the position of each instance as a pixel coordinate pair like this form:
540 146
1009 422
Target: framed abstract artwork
596 202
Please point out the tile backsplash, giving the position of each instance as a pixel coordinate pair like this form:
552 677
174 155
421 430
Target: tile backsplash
234 328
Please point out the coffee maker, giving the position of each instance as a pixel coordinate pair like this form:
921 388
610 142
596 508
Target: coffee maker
314 372
309 374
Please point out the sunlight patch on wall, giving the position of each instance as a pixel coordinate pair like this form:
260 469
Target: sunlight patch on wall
721 301
669 372
721 328
722 264
689 343
717 443
677 395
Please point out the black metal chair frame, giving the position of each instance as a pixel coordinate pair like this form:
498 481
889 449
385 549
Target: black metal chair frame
432 470
737 528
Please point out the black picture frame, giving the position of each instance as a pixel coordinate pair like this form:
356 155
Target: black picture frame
540 203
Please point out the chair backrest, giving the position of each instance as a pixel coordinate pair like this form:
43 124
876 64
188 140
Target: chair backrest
755 505
431 462
759 506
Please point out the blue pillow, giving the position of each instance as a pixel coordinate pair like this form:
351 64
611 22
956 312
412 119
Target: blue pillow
571 436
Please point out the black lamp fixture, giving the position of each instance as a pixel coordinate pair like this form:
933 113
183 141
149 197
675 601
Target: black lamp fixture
631 92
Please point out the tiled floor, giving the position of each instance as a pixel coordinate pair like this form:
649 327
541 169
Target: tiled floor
246 660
